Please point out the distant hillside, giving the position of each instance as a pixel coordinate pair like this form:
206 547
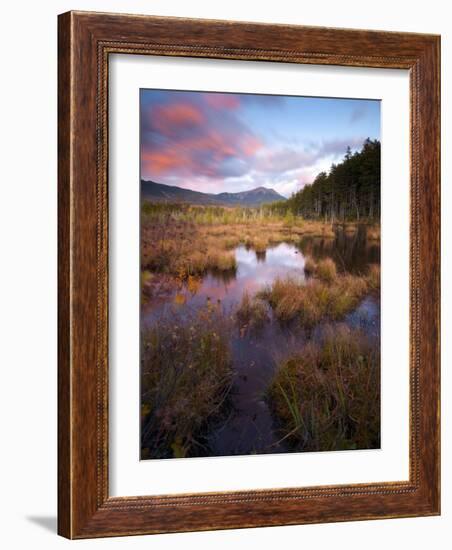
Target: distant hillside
158 192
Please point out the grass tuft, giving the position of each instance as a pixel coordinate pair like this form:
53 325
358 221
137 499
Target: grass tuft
327 397
309 266
373 277
186 379
252 313
315 301
326 270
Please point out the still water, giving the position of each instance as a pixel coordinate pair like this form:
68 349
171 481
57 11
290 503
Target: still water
250 426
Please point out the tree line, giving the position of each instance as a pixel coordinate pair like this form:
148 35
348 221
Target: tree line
350 191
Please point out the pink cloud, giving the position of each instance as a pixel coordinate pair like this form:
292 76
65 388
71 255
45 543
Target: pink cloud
191 155
251 145
176 117
205 137
161 162
222 101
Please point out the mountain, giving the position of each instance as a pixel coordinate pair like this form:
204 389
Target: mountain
253 197
158 192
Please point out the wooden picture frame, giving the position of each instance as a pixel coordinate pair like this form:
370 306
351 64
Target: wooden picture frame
85 42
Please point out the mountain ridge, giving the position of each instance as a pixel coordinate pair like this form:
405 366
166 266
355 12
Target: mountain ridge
160 192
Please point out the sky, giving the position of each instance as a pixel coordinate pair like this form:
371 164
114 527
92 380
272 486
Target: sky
215 142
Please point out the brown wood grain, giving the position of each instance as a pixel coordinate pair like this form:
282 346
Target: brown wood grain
85 42
64 295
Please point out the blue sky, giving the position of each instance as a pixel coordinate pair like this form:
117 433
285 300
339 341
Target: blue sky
214 142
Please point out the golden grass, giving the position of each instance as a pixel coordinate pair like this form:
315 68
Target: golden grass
182 249
309 266
187 370
222 261
259 244
318 229
198 262
373 277
372 230
326 270
316 300
192 240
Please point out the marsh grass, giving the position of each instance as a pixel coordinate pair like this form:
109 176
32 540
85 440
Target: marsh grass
325 296
186 379
155 285
327 396
227 216
326 270
259 244
183 240
309 266
319 392
372 230
179 249
374 233
374 277
251 314
314 301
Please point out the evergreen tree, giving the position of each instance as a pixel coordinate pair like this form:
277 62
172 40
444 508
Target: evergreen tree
350 191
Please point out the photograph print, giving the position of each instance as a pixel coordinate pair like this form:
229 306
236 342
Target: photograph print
259 274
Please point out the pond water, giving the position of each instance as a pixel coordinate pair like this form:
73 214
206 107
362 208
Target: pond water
253 272
250 426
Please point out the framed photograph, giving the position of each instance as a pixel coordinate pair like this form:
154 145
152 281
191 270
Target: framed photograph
249 263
